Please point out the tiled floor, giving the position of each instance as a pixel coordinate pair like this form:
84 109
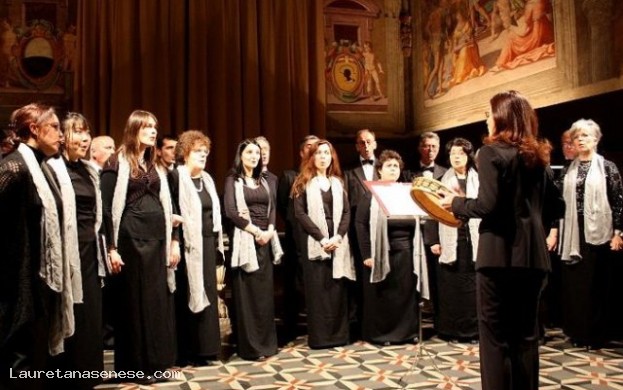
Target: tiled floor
440 365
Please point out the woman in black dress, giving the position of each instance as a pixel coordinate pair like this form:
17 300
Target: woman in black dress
138 221
456 318
33 279
390 296
251 208
195 198
591 232
82 204
322 212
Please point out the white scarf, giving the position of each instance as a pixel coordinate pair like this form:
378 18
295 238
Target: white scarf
343 263
597 212
191 210
380 265
243 253
70 222
449 235
55 268
118 205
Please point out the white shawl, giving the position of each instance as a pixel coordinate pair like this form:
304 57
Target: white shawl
379 245
597 212
190 208
343 263
243 253
449 235
55 267
118 205
70 222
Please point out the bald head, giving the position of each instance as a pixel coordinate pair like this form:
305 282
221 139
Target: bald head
102 147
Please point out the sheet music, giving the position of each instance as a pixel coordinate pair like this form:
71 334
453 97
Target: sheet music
395 199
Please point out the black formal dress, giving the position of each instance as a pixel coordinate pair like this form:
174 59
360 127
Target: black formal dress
290 270
83 350
588 286
326 297
198 334
515 203
253 292
430 233
390 307
26 302
144 323
456 284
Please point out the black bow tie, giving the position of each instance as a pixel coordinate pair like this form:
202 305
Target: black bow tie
364 162
430 169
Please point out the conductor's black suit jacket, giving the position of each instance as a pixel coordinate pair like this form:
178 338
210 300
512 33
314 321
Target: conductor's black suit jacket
517 205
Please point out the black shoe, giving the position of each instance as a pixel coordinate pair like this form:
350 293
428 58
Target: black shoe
203 361
145 381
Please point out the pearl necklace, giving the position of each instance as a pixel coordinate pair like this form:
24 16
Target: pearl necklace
200 186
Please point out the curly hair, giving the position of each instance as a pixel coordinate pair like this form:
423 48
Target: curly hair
386 155
189 140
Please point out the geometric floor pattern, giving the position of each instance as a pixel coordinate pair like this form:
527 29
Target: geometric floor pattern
359 366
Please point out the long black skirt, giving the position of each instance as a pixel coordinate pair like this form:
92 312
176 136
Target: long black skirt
390 307
327 304
144 323
83 350
198 334
457 315
586 288
254 303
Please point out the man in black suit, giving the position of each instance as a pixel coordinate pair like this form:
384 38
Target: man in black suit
271 178
365 144
293 300
428 149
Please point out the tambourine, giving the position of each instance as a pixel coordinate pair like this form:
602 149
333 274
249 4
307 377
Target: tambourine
424 193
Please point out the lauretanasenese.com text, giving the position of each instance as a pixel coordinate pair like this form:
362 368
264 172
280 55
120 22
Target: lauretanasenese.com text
103 375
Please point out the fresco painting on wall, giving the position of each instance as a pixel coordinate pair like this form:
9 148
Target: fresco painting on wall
354 73
470 45
34 49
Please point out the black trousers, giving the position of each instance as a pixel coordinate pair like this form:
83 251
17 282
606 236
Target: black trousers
508 300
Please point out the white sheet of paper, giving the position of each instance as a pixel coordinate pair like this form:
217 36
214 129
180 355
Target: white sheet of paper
397 201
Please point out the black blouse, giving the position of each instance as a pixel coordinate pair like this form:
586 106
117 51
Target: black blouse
85 200
309 227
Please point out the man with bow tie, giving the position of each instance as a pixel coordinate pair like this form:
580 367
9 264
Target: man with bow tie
428 148
365 144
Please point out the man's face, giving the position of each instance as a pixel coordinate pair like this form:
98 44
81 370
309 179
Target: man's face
428 148
101 150
366 145
308 144
265 151
167 153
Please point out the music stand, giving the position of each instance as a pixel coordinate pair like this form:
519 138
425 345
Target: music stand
396 202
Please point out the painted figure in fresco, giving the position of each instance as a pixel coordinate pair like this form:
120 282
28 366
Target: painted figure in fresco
372 70
501 17
531 40
434 31
9 40
467 62
69 48
476 9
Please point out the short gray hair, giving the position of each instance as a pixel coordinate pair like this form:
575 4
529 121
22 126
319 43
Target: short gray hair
588 125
